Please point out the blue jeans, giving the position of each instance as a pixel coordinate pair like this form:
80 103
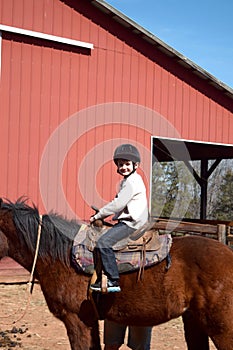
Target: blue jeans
139 338
104 257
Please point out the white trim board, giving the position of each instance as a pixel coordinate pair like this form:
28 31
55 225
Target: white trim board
44 36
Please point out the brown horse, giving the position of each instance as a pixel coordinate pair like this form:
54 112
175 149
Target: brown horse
198 286
3 246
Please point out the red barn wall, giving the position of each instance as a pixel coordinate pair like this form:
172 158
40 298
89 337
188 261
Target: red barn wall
94 99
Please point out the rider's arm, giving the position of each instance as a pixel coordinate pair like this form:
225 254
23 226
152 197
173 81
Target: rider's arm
125 194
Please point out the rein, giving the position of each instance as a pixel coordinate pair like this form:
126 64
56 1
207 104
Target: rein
31 279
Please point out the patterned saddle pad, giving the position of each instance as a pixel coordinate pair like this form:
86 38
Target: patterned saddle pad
82 257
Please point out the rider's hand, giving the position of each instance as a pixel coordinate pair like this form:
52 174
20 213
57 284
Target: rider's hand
92 219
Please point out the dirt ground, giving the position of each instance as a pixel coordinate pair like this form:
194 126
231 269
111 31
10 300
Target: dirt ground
31 326
40 330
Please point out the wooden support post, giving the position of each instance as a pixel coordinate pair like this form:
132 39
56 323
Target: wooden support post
222 232
204 183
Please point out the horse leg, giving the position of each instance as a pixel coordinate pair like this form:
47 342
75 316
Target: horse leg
112 347
195 337
80 336
223 341
220 327
95 336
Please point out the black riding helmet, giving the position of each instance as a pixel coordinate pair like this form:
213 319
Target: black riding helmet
127 152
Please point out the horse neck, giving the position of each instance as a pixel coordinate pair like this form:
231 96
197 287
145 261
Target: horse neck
6 222
4 248
13 247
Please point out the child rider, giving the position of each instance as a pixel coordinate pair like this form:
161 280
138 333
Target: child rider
129 207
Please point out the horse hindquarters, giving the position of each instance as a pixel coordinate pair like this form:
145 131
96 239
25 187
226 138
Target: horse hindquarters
195 337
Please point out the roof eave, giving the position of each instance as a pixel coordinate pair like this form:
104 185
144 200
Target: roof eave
166 49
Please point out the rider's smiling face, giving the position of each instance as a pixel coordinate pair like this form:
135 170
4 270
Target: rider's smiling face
125 167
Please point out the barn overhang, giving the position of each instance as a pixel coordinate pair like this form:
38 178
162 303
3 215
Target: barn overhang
170 150
166 150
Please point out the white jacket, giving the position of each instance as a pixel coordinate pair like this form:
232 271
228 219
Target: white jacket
130 204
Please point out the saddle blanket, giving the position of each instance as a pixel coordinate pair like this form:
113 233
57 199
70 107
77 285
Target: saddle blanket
82 257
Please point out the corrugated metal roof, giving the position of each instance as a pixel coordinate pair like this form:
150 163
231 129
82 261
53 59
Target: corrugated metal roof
166 49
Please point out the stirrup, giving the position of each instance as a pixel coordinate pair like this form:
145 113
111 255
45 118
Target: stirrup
104 283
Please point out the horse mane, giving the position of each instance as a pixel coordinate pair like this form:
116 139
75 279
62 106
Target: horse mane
57 233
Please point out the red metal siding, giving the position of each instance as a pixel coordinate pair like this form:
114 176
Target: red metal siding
42 86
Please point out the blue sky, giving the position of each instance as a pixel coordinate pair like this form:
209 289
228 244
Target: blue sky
201 30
